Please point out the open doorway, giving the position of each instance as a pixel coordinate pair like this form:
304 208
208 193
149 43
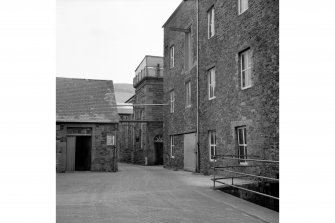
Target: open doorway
158 146
83 153
159 153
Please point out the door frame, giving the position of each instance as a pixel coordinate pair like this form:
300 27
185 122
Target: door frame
194 168
79 125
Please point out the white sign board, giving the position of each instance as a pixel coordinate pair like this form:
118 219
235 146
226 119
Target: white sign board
110 140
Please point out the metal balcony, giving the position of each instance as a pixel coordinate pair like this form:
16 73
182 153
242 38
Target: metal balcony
157 72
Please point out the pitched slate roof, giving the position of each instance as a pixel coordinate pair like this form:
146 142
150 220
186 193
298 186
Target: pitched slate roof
85 100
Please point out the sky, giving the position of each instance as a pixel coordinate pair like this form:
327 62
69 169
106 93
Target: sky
107 39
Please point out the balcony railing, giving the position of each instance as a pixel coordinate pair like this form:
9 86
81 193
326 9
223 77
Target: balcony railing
148 72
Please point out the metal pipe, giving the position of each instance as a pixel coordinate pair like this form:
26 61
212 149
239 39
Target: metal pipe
214 173
223 167
198 147
251 175
252 191
256 160
225 178
139 105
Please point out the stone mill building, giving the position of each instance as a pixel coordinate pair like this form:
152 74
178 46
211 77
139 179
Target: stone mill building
86 125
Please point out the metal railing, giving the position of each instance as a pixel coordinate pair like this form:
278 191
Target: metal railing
148 72
218 179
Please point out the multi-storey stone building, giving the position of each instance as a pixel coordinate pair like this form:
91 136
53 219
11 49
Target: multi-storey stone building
146 125
180 63
226 100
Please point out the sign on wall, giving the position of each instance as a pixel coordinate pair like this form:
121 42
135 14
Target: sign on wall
110 140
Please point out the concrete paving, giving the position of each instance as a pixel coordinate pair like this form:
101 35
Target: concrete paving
151 195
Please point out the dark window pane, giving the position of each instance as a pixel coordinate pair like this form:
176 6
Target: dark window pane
240 136
243 78
241 151
245 135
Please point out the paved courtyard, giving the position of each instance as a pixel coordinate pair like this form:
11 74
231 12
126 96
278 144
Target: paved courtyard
151 195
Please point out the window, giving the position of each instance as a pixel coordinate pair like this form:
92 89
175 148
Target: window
211 83
242 6
245 60
171 101
171 56
188 94
172 146
211 24
188 51
242 144
212 144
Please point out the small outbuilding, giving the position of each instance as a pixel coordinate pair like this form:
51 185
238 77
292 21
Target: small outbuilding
86 125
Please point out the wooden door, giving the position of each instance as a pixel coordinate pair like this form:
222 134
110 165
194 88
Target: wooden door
70 153
190 152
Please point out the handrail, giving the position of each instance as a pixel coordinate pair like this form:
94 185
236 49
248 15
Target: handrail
250 175
223 169
252 191
256 160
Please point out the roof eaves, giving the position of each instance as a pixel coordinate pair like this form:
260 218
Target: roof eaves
127 101
172 15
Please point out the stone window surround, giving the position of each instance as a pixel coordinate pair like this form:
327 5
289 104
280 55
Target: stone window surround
211 22
239 6
249 52
212 83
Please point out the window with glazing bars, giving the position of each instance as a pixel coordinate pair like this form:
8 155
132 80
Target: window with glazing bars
245 60
242 144
188 94
211 83
172 101
211 22
212 144
171 56
188 51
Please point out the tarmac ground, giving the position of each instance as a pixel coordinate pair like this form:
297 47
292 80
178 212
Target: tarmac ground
150 194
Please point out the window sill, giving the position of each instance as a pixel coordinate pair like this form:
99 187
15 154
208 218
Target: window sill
211 98
244 88
240 13
188 107
244 164
172 157
211 36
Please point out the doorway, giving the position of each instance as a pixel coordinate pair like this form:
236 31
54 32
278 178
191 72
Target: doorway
78 155
158 147
190 144
158 153
83 153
